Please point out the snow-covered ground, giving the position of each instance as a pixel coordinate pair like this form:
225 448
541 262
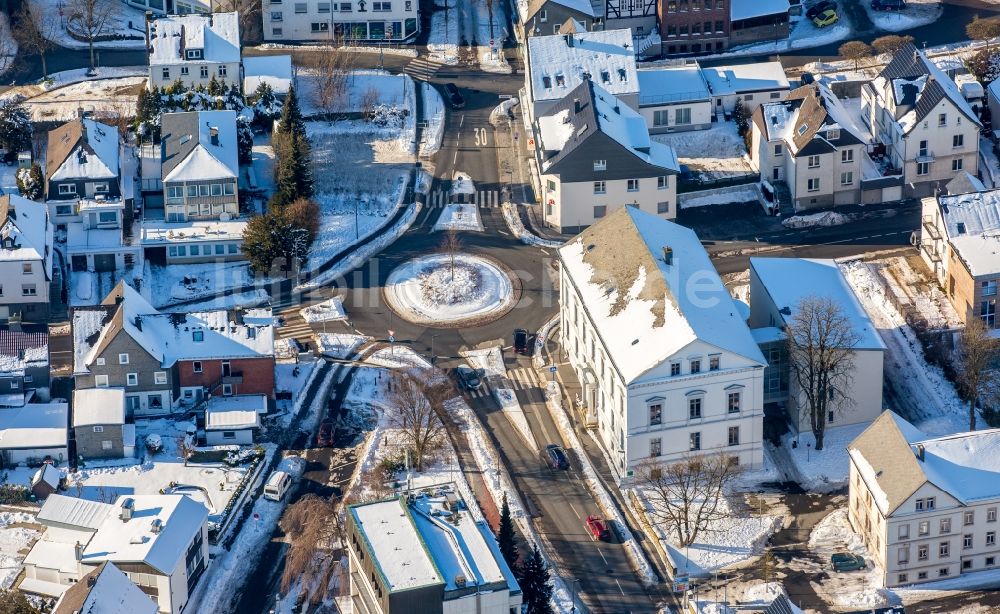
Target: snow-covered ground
824 218
745 193
716 153
238 300
489 35
442 42
917 13
110 97
263 163
18 530
510 215
117 25
461 183
329 310
362 88
459 216
824 470
434 290
163 285
804 34
339 345
433 133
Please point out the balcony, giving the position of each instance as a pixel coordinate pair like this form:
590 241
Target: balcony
930 228
233 378
924 155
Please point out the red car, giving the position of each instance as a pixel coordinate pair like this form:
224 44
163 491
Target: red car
325 436
598 530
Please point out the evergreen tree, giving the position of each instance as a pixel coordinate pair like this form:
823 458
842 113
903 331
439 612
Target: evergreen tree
294 176
214 89
303 213
14 602
15 128
30 182
244 139
291 116
259 244
506 539
265 105
535 584
741 118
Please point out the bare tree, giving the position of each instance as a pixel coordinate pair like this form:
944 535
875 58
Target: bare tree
451 244
983 29
185 449
332 70
686 496
978 377
413 403
92 19
315 530
249 16
489 7
821 342
856 51
891 43
369 100
34 33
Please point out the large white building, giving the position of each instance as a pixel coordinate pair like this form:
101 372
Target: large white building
925 507
26 236
195 49
360 20
667 364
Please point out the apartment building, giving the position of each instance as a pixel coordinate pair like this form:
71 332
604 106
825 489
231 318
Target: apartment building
691 27
674 99
26 259
344 20
667 371
752 84
194 49
545 17
925 507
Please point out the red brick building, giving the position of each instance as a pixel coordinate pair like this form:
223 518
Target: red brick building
691 27
228 376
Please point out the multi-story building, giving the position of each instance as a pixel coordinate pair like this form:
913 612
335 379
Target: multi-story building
99 424
668 366
105 589
959 239
450 562
675 98
24 363
752 21
545 17
172 7
693 26
26 236
752 84
809 142
925 507
921 122
345 20
595 156
194 49
81 161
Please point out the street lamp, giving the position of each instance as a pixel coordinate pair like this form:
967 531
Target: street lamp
575 582
433 337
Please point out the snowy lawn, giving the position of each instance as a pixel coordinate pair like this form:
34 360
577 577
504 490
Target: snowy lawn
442 43
459 216
18 531
104 97
239 300
716 153
125 24
746 193
176 282
804 34
433 132
327 311
444 289
339 345
917 13
824 470
824 218
362 87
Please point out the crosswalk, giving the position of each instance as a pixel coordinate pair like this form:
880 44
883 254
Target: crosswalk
483 198
518 379
422 68
295 326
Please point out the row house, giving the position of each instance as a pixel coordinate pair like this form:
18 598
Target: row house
345 20
667 371
24 363
170 361
194 49
926 507
26 259
921 123
595 156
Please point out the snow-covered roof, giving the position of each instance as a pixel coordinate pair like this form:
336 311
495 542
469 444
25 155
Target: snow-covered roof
885 461
642 307
46 554
789 280
748 9
138 541
25 223
82 148
672 84
395 545
82 240
105 590
234 412
560 62
47 473
83 514
199 146
160 232
972 222
21 349
580 6
216 35
98 406
275 70
745 78
964 183
34 427
811 119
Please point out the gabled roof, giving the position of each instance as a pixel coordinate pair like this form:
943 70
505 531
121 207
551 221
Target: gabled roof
580 6
572 26
21 349
807 120
191 153
217 35
964 183
885 461
27 224
589 109
641 306
82 514
105 590
561 62
82 148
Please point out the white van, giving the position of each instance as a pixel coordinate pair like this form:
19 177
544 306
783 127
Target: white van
277 485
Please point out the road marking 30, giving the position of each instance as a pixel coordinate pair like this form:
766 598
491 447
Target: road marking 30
482 138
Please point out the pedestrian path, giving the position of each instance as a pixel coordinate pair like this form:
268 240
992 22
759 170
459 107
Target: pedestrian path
483 198
422 68
518 379
295 326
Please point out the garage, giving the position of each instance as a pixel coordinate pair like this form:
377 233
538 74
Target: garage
104 262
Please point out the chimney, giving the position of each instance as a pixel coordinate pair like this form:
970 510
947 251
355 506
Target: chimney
214 133
668 255
577 107
79 113
618 110
920 452
91 581
156 526
127 508
78 551
137 321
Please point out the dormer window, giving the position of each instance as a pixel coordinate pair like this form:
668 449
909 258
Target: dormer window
194 54
198 335
802 129
833 134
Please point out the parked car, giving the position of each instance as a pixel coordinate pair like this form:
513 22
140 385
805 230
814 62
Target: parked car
819 7
469 376
277 485
454 96
826 18
598 530
845 561
325 436
557 456
521 341
888 5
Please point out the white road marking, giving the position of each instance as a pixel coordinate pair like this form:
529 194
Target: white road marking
617 582
605 560
461 120
506 234
576 511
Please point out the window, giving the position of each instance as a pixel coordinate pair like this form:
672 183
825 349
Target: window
778 150
713 363
924 528
600 165
229 189
682 116
26 268
123 359
98 429
600 211
930 502
991 538
100 362
166 74
160 377
675 368
719 27
922 552
229 434
813 185
696 366
944 550
67 188
663 183
227 390
204 72
196 366
220 249
694 441
919 505
734 435
968 518
813 162
733 402
747 97
633 185
323 7
222 70
904 556
988 312
991 514
663 207
921 575
132 379
275 15
198 335
966 541
946 525
382 7
942 119
194 250
989 288
600 187
903 578
106 445
660 118
101 381
833 134
904 531
656 413
345 7
694 408
847 155
847 178
990 561
301 7
967 564
942 572
958 140
956 164
655 446
923 168
64 210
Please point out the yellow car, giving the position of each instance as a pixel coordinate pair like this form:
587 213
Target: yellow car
825 18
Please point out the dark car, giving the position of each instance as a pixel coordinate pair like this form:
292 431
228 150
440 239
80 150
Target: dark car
557 456
888 5
454 96
597 529
469 376
819 8
844 561
325 436
521 341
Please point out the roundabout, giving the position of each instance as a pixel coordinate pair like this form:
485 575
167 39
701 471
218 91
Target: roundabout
446 291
